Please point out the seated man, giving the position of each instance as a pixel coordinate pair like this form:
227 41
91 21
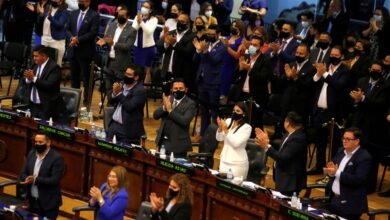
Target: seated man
128 97
42 174
44 85
176 113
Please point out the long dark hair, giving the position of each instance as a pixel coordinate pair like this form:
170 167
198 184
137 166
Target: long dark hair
243 120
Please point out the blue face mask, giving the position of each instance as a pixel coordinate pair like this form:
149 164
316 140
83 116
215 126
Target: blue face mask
164 5
252 50
305 24
378 18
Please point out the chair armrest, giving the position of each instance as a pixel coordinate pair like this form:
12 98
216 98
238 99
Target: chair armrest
7 183
309 188
378 212
195 144
320 199
20 106
5 98
84 208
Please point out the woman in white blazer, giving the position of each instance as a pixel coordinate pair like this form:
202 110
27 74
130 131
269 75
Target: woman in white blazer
235 133
145 48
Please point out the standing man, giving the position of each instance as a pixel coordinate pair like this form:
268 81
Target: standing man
336 21
321 53
349 172
44 85
119 39
209 58
82 30
129 99
176 113
290 158
42 175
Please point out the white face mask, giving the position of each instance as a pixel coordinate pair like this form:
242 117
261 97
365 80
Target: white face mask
144 11
305 24
208 13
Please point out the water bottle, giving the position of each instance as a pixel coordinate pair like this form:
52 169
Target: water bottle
98 133
103 134
294 200
229 174
172 157
28 113
114 139
162 150
90 117
93 129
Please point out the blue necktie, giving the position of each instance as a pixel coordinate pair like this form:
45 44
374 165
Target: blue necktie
80 21
34 88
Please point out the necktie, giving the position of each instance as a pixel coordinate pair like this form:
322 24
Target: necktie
34 88
319 60
174 104
369 88
278 68
80 21
282 47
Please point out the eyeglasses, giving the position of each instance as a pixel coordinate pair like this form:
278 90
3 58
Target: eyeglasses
348 139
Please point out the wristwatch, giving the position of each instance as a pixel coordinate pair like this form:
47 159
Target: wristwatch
268 147
101 201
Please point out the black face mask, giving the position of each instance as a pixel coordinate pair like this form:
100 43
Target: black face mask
349 43
211 39
174 15
173 193
375 75
178 94
386 67
199 27
122 19
180 27
322 45
128 80
334 60
40 148
234 31
358 52
54 4
284 35
300 59
236 117
82 7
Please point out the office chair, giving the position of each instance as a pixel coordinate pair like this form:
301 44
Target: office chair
21 98
145 211
208 144
257 162
71 98
107 116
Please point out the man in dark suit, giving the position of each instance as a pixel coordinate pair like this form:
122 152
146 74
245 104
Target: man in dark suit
209 57
336 22
370 110
176 113
255 74
322 51
42 173
119 39
178 52
290 158
82 30
349 171
128 97
330 101
44 85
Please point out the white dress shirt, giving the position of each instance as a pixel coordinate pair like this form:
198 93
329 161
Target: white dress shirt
118 32
343 163
37 76
322 99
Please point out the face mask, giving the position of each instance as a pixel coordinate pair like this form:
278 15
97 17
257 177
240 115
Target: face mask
386 67
178 94
40 148
128 80
121 20
378 18
284 35
174 15
300 59
180 27
350 43
334 60
82 7
375 75
234 31
173 193
305 24
252 50
208 13
236 117
164 5
358 52
211 39
322 45
54 4
144 11
199 27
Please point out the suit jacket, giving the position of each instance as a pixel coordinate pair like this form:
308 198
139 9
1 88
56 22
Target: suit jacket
209 65
86 35
339 27
182 65
122 48
290 167
285 56
58 23
175 126
182 211
132 111
360 69
315 53
353 181
48 179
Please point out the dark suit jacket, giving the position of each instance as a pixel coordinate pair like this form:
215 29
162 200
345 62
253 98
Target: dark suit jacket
48 180
209 64
339 27
285 56
359 70
353 181
182 65
122 48
58 23
290 171
315 53
87 34
175 126
132 111
182 211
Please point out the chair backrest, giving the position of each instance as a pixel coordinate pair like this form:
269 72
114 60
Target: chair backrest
209 143
71 97
53 53
257 160
15 52
145 211
107 116
21 95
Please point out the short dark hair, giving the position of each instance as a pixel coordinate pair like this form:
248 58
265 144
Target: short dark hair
254 37
305 46
357 133
308 14
327 33
215 27
294 119
178 6
377 62
41 50
138 70
44 133
178 80
339 48
292 25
